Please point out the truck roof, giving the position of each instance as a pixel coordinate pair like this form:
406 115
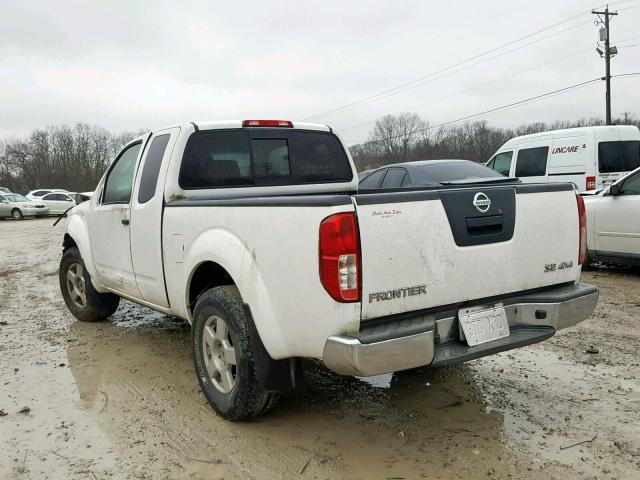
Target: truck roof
220 124
630 130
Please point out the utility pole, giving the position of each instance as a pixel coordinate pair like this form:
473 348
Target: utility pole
607 54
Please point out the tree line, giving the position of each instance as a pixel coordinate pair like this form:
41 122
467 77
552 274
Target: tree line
69 157
75 157
407 137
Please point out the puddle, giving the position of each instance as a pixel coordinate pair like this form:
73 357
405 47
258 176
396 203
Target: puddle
380 381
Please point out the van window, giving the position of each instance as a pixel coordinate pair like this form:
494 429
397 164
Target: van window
618 156
501 163
227 158
532 162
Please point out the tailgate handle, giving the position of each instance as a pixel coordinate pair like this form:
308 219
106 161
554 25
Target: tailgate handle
489 225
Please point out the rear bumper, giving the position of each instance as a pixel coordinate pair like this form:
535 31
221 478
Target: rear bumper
433 338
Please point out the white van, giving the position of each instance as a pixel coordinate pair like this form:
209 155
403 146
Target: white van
589 157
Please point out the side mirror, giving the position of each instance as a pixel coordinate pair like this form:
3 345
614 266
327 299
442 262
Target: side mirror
614 190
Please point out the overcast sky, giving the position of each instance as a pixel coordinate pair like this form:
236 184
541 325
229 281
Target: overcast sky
138 64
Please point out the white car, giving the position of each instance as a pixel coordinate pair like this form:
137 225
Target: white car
255 233
38 194
17 207
613 222
59 202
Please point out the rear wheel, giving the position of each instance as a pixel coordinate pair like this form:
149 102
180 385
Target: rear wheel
224 358
83 301
16 214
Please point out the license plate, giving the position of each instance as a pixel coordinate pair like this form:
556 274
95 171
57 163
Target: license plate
482 326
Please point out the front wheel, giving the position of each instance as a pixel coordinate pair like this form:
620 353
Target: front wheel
16 214
83 301
224 358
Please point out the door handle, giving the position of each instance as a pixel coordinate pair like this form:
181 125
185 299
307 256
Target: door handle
125 221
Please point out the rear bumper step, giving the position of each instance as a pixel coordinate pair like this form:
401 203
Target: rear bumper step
434 340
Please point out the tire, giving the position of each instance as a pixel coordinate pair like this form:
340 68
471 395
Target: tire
16 214
231 389
82 300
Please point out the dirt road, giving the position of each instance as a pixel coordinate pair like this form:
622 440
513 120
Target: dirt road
119 399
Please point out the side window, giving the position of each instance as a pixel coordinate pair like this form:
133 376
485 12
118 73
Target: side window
502 163
117 187
66 198
2 199
151 169
490 163
49 196
532 162
631 186
39 193
394 178
407 181
373 180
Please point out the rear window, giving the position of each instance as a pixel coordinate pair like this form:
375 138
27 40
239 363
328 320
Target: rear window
455 171
618 156
259 157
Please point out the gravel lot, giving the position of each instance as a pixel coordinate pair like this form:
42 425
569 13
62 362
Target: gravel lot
119 399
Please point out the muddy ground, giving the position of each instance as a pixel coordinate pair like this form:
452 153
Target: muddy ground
120 400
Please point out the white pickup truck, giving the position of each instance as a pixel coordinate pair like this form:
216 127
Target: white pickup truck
255 233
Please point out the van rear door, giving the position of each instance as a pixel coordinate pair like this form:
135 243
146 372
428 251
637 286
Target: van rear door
617 152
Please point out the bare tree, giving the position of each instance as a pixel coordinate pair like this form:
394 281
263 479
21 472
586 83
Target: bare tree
407 137
59 157
398 134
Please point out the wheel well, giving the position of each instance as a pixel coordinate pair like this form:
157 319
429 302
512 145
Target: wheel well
68 242
207 275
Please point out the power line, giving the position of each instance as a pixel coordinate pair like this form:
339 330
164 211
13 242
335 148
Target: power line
421 80
492 110
474 57
464 67
407 84
477 86
505 107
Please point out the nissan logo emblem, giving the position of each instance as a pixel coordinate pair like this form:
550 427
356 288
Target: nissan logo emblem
481 202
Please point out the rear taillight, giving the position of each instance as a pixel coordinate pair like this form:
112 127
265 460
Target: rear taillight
268 123
591 183
582 219
339 251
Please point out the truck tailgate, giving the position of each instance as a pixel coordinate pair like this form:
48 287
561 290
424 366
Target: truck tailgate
423 249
